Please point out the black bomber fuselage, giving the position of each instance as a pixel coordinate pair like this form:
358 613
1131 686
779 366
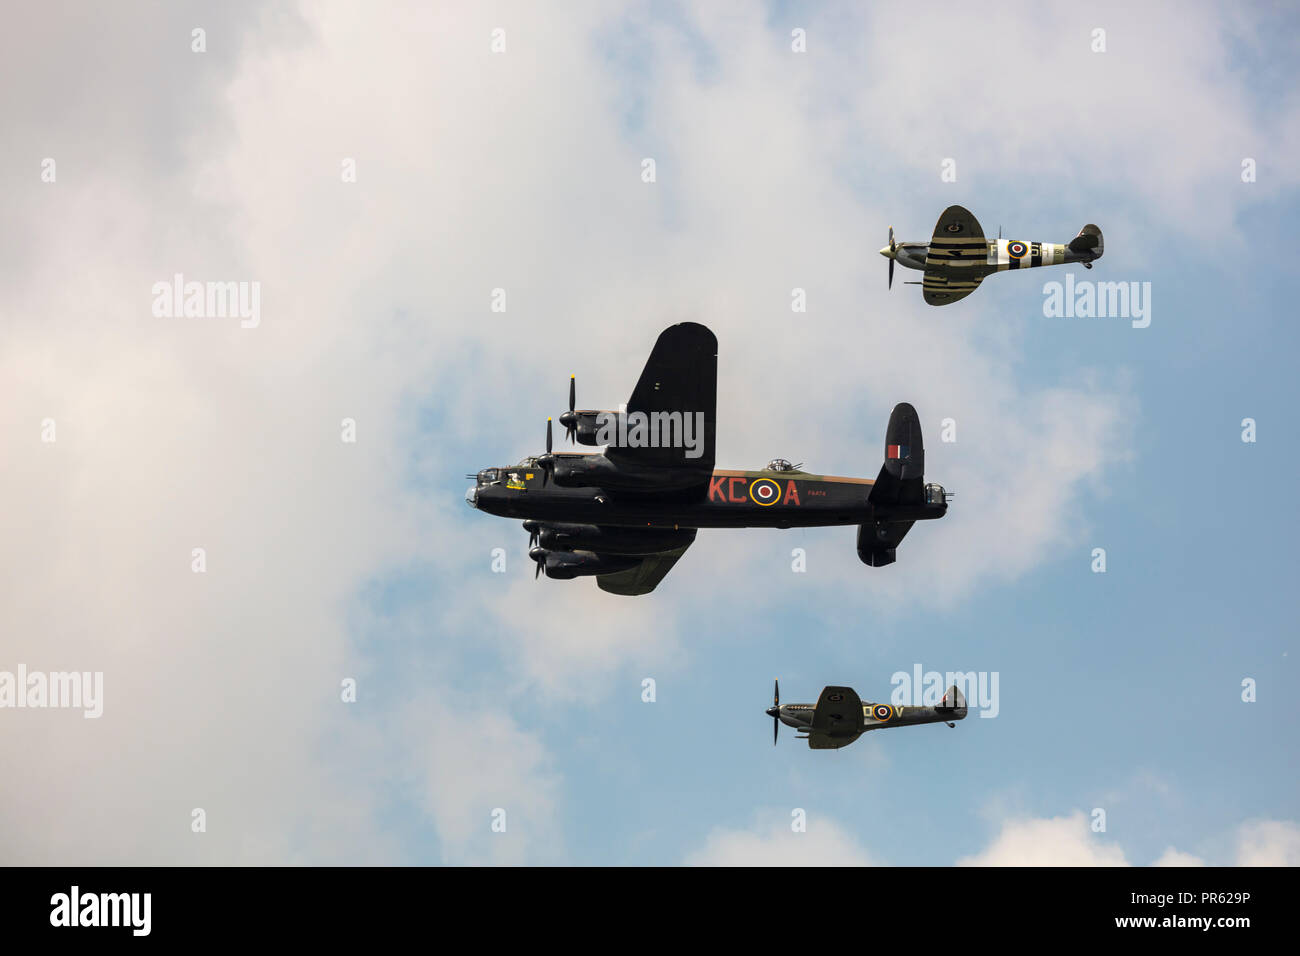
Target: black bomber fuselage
625 514
723 499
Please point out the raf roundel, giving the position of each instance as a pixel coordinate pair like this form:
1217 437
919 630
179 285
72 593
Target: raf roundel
882 712
1016 249
764 491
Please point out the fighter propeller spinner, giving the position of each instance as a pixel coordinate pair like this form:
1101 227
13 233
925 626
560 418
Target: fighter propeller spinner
958 257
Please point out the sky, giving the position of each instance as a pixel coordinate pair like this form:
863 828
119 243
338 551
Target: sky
254 528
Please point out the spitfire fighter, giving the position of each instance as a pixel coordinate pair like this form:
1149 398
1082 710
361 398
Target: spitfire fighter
841 716
627 513
958 257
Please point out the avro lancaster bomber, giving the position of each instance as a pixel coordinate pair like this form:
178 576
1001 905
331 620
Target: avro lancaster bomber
626 514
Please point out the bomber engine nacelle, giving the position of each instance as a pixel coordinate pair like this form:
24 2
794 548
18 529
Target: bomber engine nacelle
564 565
586 426
588 537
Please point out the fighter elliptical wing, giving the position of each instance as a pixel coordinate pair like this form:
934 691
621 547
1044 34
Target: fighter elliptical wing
957 258
837 719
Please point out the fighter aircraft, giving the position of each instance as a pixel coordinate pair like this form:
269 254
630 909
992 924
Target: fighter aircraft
841 717
958 257
627 513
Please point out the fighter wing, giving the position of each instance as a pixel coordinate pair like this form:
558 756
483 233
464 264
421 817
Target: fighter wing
838 713
957 258
818 741
957 225
644 577
941 288
681 377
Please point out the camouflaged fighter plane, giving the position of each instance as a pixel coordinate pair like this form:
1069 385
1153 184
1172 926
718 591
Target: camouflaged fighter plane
626 514
958 257
841 717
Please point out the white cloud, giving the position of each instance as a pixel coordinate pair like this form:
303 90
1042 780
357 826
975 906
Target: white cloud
1175 857
1065 840
825 843
1268 843
1069 841
1058 114
478 763
1055 841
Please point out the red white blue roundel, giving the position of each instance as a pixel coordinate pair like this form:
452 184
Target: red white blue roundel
764 491
1016 249
882 712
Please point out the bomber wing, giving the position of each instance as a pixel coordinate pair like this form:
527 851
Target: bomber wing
644 577
680 376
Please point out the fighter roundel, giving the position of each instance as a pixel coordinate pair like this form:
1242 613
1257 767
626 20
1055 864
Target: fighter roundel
1016 249
882 712
764 491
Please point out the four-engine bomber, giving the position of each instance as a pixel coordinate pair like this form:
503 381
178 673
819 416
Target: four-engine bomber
627 513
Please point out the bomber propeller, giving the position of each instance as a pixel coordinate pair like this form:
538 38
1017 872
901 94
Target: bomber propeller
569 420
546 462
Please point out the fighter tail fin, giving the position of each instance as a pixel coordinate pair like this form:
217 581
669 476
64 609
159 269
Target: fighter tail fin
953 705
1089 240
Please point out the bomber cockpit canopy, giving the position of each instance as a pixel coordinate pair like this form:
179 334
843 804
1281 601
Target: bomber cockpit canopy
780 464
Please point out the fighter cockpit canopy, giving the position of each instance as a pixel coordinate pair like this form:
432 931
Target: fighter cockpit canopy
780 464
